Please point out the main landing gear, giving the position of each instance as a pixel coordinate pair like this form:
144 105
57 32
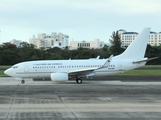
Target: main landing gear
22 81
79 81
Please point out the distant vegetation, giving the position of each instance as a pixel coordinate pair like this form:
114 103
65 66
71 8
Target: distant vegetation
10 54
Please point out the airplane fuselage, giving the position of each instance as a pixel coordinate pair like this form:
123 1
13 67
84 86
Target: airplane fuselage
43 69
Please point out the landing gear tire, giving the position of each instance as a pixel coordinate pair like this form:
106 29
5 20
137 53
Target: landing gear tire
79 81
22 81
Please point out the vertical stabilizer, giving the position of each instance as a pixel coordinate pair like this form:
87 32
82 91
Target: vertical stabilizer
136 50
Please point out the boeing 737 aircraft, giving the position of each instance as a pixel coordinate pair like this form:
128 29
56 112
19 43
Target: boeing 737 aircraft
62 70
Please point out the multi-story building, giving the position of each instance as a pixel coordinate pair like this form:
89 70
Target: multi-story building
128 37
49 41
96 44
155 38
16 42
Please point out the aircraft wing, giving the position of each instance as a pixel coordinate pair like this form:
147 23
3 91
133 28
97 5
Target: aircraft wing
144 60
91 69
82 70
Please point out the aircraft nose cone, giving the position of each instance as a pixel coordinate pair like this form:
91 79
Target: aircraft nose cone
7 72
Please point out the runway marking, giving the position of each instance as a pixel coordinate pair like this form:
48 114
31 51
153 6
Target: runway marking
68 108
8 115
110 107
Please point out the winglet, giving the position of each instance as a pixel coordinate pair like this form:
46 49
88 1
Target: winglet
97 57
107 62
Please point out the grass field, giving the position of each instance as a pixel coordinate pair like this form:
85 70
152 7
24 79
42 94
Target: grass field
146 72
142 73
2 73
2 68
151 66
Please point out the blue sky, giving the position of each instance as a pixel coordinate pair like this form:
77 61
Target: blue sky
80 19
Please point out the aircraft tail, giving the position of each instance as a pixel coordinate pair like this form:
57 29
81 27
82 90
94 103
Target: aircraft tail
136 50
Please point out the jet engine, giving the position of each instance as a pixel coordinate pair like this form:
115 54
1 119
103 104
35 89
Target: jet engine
59 76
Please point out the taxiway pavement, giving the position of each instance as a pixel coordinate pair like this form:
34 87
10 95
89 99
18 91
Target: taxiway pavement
109 100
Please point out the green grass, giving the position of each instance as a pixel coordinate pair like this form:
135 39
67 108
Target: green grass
4 67
152 66
142 73
2 73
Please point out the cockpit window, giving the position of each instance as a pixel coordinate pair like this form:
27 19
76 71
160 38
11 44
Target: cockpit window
14 67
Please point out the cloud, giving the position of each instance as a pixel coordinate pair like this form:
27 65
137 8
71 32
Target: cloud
118 6
39 12
78 16
139 6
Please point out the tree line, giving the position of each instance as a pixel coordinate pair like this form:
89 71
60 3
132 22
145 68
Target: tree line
10 54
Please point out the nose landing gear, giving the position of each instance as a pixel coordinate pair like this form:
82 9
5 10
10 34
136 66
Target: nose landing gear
22 81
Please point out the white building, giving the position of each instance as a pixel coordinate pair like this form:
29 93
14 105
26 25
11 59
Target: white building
128 37
16 42
96 44
155 38
49 41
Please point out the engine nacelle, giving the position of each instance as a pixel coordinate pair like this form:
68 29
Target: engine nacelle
59 76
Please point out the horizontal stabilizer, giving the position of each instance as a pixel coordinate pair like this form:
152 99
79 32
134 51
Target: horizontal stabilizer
144 60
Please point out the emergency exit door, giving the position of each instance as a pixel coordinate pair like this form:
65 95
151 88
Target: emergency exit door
26 67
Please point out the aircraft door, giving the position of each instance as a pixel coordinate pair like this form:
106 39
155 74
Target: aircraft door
120 65
26 67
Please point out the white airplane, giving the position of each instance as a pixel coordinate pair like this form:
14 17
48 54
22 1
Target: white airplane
62 70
